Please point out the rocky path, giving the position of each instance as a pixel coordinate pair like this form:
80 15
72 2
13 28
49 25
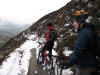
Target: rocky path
34 68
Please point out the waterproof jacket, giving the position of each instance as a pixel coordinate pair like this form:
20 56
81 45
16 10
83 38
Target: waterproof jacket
82 55
50 39
50 34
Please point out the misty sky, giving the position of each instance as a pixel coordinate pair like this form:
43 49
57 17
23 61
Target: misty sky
28 11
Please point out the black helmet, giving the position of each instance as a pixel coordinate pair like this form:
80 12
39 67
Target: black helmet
49 24
80 16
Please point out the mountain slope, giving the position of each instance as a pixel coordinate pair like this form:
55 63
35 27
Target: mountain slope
62 21
9 29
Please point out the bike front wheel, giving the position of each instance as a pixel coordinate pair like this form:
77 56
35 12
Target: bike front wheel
40 59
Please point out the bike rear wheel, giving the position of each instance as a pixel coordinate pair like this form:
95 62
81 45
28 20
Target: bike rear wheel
40 59
52 69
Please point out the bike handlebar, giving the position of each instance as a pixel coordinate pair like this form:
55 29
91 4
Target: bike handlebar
39 42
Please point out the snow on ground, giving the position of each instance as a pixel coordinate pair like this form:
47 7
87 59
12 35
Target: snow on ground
88 20
18 61
66 25
67 52
67 72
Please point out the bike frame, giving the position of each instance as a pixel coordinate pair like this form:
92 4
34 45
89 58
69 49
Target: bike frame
45 56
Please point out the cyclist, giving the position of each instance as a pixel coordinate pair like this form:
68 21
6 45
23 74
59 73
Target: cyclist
50 38
83 56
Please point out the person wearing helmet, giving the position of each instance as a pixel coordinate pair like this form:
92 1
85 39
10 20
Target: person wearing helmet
50 38
80 19
83 57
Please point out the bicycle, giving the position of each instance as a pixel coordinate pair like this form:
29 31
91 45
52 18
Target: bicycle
57 66
44 58
54 64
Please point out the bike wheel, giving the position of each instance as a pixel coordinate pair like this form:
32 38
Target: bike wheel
48 63
55 69
59 69
39 60
52 69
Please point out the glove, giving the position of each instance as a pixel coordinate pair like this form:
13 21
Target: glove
65 62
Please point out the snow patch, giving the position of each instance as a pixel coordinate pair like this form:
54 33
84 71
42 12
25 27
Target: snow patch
35 72
72 34
18 61
90 5
44 21
54 53
55 44
66 51
88 20
67 72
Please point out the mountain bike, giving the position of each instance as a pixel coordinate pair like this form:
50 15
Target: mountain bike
53 64
58 68
45 60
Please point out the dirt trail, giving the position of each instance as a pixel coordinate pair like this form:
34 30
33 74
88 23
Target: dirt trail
34 68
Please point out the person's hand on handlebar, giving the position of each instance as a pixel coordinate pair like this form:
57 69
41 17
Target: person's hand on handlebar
65 62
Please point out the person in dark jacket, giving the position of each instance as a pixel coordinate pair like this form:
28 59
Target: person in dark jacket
83 57
50 38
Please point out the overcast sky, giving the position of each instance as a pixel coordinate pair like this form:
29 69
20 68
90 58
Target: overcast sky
28 11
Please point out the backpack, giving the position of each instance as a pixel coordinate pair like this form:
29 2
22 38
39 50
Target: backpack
49 31
55 34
